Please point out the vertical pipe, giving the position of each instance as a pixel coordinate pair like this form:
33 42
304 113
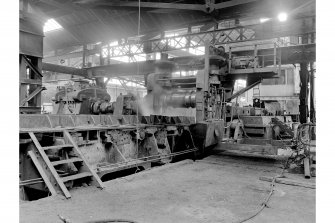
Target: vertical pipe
303 107
307 169
38 98
263 62
188 38
101 56
206 69
279 61
84 52
312 107
23 75
109 54
229 65
275 56
255 56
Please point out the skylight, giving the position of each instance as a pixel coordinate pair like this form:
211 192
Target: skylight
51 25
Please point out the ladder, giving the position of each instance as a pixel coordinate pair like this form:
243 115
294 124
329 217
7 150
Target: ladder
72 160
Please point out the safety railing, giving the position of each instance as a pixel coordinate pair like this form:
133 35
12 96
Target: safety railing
259 57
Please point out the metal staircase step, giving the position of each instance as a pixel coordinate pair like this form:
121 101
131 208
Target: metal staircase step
58 146
72 160
76 176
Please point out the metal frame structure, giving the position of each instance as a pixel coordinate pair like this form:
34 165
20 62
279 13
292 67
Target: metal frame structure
298 29
31 53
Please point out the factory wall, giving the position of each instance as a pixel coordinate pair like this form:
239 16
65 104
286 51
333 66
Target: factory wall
280 93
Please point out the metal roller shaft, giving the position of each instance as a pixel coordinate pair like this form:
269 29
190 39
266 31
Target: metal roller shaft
181 99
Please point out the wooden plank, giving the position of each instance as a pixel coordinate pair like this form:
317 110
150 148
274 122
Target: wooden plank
50 166
85 167
76 176
261 149
42 172
57 146
65 161
288 182
25 141
26 183
31 109
40 130
31 81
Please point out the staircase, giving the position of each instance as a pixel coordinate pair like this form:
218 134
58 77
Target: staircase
60 175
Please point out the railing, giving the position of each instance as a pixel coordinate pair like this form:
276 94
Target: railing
256 60
197 41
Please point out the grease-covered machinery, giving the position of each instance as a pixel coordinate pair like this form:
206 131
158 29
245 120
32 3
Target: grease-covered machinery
200 95
82 97
91 134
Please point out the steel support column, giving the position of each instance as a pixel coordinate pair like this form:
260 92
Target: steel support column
30 63
303 107
312 106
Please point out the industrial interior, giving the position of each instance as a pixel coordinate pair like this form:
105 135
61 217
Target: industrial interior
167 111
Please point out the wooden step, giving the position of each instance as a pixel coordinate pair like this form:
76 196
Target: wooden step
76 176
72 160
58 146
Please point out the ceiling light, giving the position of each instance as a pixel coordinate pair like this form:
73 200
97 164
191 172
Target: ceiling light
282 17
262 20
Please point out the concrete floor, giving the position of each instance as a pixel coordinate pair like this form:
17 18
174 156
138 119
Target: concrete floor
218 188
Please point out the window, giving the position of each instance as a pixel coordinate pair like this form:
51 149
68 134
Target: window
51 25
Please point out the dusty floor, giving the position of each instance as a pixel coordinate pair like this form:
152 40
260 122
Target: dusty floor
216 189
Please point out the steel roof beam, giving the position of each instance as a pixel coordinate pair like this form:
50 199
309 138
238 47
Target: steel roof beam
208 7
158 5
289 55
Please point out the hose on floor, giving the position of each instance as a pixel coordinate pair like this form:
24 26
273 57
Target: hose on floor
65 220
113 220
267 199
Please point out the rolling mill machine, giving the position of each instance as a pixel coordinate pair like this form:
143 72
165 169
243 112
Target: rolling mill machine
90 136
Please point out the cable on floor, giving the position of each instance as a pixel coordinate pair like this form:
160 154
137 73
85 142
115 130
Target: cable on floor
267 199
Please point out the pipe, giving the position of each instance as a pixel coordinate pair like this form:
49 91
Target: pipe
243 90
307 169
64 69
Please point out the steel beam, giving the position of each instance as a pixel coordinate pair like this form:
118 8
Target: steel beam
238 34
64 69
303 107
157 5
240 92
32 95
289 54
312 88
208 7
